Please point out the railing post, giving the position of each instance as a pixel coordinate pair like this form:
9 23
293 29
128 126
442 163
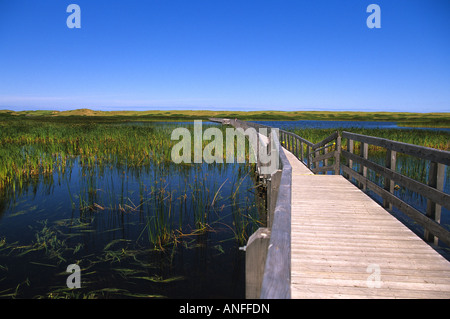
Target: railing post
291 146
255 261
363 169
272 195
350 146
391 159
296 147
301 151
316 163
286 141
308 156
435 179
337 160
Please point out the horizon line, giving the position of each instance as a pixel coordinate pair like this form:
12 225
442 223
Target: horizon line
212 110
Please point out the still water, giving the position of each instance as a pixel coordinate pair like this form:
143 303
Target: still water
163 231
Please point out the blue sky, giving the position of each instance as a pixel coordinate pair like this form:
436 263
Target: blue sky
225 54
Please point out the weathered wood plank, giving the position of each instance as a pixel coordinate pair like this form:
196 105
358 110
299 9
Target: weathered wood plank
338 231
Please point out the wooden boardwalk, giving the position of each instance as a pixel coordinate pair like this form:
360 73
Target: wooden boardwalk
345 245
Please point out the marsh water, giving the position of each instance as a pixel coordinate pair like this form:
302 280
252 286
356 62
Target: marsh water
159 231
315 124
155 232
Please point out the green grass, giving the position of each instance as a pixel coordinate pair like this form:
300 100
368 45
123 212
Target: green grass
33 149
402 118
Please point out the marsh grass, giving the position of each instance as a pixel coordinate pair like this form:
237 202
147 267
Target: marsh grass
115 177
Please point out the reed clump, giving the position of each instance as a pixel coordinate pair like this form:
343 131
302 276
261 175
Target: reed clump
33 149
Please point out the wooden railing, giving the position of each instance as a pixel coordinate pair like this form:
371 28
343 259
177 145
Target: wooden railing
321 157
432 190
268 250
317 156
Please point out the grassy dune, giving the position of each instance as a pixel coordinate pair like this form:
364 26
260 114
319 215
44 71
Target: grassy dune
403 119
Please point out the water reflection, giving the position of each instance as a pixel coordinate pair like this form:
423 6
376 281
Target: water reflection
159 230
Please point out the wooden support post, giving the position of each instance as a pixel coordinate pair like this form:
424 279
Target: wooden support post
308 156
389 185
363 169
350 146
255 262
316 163
301 151
337 160
325 161
272 195
435 179
296 147
286 141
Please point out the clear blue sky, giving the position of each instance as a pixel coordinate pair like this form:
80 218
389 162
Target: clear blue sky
225 54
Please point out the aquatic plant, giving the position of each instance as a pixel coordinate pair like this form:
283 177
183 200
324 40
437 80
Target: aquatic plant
114 177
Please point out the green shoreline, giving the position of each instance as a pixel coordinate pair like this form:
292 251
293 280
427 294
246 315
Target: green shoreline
401 118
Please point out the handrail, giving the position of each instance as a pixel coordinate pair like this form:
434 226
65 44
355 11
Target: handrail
423 152
277 275
432 191
276 281
325 141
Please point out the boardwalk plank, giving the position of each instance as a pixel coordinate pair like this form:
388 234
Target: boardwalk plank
338 232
